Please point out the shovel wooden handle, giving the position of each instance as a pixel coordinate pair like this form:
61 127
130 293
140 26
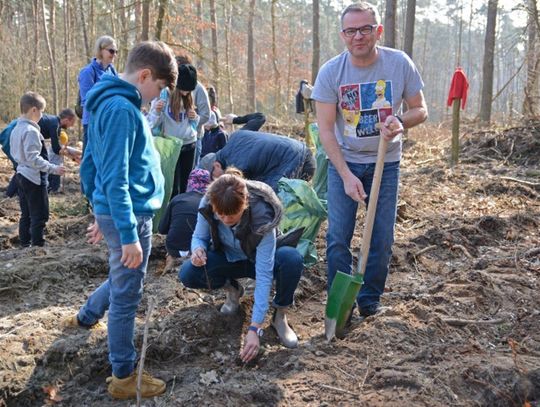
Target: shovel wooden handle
372 206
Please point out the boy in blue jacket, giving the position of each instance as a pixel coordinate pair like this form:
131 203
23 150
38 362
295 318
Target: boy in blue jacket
121 177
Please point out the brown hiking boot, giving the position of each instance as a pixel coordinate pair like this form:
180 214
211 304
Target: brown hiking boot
73 322
127 388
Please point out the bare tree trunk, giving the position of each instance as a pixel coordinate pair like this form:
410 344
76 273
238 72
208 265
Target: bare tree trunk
138 20
277 101
251 98
215 48
66 53
531 99
52 26
390 23
92 20
145 20
200 34
316 42
161 16
409 27
33 80
487 71
52 62
228 12
83 26
124 24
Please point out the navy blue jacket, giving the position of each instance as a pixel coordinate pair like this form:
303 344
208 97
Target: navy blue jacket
264 157
49 125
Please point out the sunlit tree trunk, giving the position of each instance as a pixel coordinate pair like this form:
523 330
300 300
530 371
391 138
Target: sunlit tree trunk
251 98
35 52
200 35
228 12
487 71
83 28
390 23
215 48
316 43
145 20
531 106
277 101
66 52
138 21
52 62
161 17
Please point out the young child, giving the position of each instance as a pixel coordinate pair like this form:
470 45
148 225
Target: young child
179 220
121 177
214 137
30 153
174 114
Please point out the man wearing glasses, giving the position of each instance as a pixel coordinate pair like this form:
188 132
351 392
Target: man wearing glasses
358 96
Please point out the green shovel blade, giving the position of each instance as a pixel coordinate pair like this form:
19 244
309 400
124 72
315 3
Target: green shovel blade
341 298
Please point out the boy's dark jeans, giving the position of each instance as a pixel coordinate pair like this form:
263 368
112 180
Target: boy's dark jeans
34 203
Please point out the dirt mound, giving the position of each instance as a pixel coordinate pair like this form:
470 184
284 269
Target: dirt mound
460 325
517 145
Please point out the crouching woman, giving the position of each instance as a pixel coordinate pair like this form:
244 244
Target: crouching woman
236 237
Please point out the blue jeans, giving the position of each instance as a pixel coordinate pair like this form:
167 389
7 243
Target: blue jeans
120 294
287 272
342 220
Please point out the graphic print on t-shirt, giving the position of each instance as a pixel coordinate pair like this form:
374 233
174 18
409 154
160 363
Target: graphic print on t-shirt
364 106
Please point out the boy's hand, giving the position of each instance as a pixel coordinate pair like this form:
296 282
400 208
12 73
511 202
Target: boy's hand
132 255
60 170
93 233
198 257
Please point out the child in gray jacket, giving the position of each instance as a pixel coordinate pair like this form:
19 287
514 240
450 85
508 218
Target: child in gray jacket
28 150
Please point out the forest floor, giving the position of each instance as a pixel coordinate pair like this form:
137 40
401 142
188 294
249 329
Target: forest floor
462 326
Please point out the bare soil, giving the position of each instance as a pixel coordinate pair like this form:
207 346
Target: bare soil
462 327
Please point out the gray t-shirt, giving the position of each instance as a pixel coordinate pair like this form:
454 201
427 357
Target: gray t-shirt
364 98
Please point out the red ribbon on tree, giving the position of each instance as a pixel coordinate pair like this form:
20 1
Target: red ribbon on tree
458 88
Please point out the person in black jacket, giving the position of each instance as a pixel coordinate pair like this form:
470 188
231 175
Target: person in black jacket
251 121
262 157
50 126
179 220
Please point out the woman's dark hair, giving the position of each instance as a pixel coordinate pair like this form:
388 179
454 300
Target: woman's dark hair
212 95
228 194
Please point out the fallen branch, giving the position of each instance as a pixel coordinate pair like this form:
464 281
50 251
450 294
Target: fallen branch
325 386
425 249
143 350
464 322
521 181
463 249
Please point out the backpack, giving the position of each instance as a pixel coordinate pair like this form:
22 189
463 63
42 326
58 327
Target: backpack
79 109
4 139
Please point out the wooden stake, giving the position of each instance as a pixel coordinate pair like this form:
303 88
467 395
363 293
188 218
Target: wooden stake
143 350
455 132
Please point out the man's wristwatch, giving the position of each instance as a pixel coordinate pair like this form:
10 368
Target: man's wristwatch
400 120
258 331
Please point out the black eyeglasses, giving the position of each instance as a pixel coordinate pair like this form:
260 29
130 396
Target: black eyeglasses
112 51
364 30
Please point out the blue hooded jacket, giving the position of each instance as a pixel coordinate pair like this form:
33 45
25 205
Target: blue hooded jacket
120 171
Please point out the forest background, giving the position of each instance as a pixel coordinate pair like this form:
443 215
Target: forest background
256 52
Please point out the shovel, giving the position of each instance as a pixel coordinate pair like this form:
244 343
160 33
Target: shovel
345 287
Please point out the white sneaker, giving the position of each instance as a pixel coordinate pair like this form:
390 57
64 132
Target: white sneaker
232 303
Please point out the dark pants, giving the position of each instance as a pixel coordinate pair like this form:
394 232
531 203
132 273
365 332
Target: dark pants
184 165
287 272
309 166
54 183
12 187
34 203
